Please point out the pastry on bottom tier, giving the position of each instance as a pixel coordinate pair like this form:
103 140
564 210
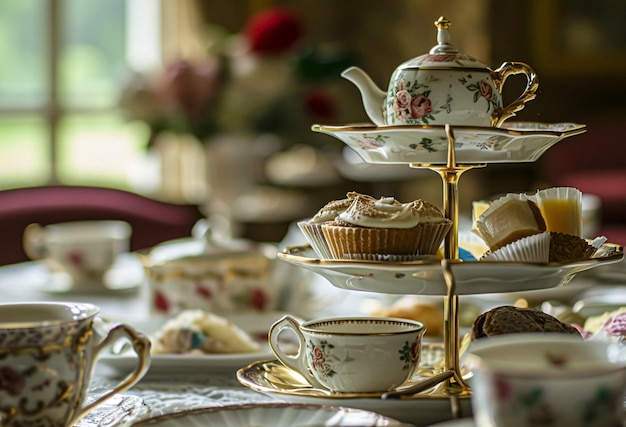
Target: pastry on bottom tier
509 320
412 308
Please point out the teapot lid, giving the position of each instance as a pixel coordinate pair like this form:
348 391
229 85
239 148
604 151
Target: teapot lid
443 54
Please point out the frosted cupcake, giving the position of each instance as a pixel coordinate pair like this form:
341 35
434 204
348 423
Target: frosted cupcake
382 229
435 226
312 228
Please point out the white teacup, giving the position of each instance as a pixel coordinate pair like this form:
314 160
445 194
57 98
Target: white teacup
351 354
527 380
47 352
85 250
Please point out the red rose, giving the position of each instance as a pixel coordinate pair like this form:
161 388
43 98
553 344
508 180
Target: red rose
274 30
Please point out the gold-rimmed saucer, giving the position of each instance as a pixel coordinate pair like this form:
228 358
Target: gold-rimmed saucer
274 379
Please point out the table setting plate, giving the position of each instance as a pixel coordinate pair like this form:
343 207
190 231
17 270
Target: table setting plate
428 144
271 414
256 324
425 277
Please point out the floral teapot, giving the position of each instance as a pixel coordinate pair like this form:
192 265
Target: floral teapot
443 86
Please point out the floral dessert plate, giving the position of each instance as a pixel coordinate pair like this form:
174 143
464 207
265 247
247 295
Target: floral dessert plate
425 277
276 380
271 414
513 142
121 360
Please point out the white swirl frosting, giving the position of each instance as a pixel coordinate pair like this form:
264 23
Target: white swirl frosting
332 209
385 212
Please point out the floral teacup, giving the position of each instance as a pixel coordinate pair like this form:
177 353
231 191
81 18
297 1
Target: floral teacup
47 352
85 250
351 354
547 379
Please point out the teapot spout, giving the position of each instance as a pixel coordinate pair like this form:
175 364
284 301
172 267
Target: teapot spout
373 97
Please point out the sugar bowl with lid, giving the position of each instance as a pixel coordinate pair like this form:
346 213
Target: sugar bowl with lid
443 86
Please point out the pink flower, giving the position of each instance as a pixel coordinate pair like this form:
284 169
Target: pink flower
368 143
420 107
442 57
402 103
192 87
615 325
415 351
485 89
318 357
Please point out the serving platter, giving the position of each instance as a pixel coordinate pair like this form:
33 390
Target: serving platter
274 379
514 142
272 414
425 277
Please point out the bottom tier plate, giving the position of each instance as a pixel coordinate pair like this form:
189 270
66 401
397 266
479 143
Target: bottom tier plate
426 277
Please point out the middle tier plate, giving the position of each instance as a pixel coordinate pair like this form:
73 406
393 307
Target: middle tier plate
513 142
426 277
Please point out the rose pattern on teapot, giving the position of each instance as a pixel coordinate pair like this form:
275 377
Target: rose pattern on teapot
411 102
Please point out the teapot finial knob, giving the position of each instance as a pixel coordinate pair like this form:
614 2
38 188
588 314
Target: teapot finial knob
443 37
442 23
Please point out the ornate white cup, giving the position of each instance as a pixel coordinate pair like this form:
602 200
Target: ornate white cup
47 352
351 354
524 380
85 250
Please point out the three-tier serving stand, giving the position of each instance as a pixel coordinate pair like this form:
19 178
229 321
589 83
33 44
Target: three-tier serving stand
479 146
453 385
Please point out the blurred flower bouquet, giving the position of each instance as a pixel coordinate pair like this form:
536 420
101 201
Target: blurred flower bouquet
263 80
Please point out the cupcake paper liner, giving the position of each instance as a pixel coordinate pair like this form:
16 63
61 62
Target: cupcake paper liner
315 236
432 237
535 248
344 241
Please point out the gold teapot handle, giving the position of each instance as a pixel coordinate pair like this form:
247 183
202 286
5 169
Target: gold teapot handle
500 75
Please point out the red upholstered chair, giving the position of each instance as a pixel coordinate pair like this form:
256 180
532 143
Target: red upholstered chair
595 163
152 221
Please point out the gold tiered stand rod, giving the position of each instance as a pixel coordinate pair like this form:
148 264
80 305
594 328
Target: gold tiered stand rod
450 175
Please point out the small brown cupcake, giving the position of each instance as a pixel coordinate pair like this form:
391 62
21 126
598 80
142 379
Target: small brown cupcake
567 248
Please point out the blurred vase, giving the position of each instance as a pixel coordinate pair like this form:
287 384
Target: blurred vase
234 165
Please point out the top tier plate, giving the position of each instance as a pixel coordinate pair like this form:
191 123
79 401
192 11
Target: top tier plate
514 142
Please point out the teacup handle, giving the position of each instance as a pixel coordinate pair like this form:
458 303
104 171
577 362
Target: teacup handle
141 346
500 75
32 241
296 362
